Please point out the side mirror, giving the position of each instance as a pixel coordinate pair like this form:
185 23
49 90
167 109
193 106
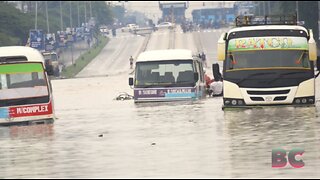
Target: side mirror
318 63
216 72
196 77
131 81
222 48
312 47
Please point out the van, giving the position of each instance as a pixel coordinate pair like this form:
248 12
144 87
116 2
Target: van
25 89
53 59
168 75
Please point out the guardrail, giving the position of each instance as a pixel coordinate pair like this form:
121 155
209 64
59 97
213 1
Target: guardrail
144 30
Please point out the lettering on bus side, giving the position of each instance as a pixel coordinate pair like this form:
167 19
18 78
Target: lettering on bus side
148 92
179 91
35 110
268 43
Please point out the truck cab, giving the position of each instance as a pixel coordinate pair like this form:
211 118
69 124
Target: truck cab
52 58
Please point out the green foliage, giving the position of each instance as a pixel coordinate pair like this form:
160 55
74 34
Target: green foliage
118 12
15 25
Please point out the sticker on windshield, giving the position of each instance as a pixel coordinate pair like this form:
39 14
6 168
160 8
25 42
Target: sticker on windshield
267 43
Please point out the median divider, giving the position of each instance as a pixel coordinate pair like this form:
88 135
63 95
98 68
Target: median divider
83 60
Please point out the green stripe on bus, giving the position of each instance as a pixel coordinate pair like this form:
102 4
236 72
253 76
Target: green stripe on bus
20 68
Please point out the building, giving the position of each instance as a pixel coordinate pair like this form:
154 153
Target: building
173 11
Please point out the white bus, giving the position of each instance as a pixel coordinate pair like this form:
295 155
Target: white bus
25 90
166 75
268 64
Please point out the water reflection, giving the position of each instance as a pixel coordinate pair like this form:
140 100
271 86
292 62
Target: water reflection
253 133
27 132
26 147
182 139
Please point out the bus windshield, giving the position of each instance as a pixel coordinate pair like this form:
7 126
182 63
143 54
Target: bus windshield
269 52
22 81
263 59
175 73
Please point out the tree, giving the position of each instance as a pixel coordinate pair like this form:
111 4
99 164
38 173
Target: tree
15 24
309 13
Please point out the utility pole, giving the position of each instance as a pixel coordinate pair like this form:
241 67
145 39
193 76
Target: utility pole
264 8
85 11
61 21
297 10
78 15
90 9
48 30
70 15
36 18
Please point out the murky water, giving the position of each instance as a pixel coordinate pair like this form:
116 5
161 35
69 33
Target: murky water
98 137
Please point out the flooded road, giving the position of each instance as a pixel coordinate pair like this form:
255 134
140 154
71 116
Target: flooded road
96 136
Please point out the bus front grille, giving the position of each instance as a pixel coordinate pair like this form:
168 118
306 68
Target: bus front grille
268 92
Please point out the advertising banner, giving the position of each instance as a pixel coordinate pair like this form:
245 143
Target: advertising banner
268 43
50 42
37 39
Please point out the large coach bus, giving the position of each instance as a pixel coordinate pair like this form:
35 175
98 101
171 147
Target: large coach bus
268 61
166 75
25 90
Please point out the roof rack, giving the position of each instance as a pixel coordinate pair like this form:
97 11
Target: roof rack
266 20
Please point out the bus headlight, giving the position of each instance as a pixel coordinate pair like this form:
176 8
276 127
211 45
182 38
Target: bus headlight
234 102
304 100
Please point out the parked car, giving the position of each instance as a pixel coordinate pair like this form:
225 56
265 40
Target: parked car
51 58
164 25
104 30
129 28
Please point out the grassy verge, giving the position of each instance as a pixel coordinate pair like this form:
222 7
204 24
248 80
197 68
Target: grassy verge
85 59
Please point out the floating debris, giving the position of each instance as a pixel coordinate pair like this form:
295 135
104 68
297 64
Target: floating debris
124 96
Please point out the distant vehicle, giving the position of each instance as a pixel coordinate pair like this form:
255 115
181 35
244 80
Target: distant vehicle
104 30
53 59
168 75
114 32
25 89
129 28
268 60
164 25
